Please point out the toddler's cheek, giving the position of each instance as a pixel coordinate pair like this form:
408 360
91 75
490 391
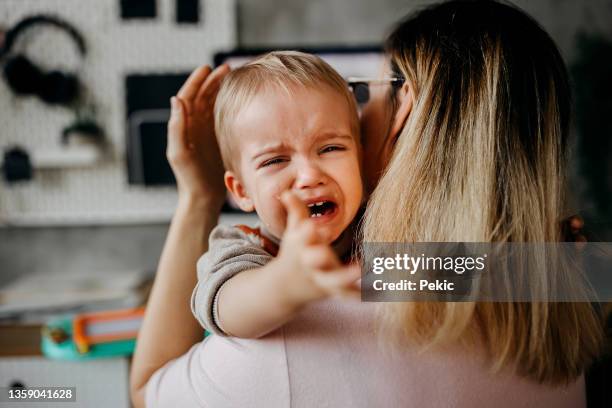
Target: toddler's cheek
274 217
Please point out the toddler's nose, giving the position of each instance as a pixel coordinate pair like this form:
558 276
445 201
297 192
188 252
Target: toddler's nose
309 175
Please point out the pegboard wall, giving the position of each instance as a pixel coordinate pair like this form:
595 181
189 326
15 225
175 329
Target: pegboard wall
99 194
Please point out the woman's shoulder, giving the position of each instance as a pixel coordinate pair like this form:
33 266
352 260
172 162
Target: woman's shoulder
224 372
338 349
330 355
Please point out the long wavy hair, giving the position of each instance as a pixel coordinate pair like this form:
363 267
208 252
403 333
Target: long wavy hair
481 158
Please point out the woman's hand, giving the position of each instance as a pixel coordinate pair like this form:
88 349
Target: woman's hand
192 149
572 229
316 272
168 329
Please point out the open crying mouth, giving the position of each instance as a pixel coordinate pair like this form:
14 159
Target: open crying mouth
321 208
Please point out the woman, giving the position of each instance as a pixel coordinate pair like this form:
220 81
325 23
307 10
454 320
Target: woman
470 148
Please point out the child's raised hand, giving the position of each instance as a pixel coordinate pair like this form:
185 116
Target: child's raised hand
315 269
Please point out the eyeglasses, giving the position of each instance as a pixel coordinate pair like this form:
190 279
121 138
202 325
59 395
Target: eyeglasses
361 86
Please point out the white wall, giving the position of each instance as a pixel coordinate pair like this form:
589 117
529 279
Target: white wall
98 194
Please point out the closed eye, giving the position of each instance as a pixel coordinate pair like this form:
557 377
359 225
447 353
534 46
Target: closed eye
272 162
332 148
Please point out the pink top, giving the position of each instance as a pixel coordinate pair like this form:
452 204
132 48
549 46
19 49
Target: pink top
328 356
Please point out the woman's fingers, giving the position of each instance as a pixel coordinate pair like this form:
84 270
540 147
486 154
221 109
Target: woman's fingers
210 86
192 85
576 223
571 228
296 209
177 138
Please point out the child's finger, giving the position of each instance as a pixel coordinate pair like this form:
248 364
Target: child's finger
350 293
320 257
307 233
296 209
340 281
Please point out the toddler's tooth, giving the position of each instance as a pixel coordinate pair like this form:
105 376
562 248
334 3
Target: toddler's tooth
320 203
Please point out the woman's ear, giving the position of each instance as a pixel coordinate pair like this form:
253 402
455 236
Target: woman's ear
405 98
238 192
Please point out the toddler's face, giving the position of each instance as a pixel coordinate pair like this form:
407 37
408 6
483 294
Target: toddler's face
305 143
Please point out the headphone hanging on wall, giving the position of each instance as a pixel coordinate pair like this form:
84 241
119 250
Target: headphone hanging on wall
54 87
24 77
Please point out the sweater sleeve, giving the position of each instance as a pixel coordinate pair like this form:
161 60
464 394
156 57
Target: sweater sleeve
230 252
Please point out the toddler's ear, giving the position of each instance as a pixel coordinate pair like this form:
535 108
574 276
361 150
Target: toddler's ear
238 192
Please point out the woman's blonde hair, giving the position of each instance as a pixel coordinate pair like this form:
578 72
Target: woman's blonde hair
280 70
481 159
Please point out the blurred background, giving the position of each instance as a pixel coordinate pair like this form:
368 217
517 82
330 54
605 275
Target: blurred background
86 194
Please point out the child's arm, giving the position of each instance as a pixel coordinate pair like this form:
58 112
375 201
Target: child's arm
257 301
